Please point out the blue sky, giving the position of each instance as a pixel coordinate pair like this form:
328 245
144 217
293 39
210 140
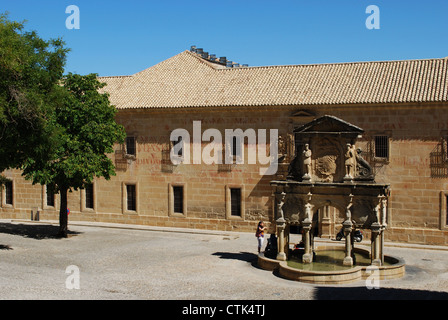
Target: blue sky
125 37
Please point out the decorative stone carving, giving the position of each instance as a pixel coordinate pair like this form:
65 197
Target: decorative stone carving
384 213
307 153
348 213
326 167
280 206
350 162
332 172
363 168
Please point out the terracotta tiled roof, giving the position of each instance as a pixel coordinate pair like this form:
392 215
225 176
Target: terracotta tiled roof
186 80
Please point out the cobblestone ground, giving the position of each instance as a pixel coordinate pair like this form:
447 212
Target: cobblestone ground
128 263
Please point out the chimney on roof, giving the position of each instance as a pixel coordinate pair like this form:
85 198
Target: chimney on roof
212 57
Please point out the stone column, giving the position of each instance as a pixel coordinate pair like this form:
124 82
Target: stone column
281 224
308 255
348 260
376 244
326 223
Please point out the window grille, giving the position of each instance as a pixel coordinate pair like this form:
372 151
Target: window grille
382 147
130 146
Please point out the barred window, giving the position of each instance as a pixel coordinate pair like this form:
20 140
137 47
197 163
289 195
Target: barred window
130 146
382 147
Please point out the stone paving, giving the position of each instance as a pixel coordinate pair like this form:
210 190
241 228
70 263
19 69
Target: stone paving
136 262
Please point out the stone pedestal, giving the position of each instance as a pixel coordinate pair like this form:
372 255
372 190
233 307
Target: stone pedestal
348 260
325 225
281 224
376 245
308 254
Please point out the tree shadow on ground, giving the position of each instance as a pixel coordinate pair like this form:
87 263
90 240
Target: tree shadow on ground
363 293
38 232
241 256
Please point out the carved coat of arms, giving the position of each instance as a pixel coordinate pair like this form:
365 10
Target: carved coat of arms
326 167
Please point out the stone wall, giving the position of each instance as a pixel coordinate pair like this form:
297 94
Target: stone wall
417 208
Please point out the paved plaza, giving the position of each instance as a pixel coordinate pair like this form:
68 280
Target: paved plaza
137 262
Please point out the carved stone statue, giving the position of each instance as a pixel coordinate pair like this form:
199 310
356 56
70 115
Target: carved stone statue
384 213
349 161
280 206
348 212
308 212
307 153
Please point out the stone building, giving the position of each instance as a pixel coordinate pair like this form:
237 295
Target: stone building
401 106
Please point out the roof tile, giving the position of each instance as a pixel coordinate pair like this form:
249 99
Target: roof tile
186 80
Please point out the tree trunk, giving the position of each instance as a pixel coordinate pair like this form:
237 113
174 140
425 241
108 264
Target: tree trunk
63 215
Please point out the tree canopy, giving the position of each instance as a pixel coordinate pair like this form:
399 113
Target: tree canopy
86 129
57 129
30 70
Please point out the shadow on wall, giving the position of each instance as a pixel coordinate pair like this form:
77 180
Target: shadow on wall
37 232
363 293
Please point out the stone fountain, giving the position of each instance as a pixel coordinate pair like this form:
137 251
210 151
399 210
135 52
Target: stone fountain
329 170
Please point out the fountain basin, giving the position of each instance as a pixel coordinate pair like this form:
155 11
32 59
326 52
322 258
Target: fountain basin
393 268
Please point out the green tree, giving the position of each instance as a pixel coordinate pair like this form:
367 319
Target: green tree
30 70
86 129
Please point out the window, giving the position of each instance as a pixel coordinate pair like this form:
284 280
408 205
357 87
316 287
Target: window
130 146
50 197
179 145
131 197
178 195
445 149
8 193
235 202
446 209
89 196
382 147
177 201
236 146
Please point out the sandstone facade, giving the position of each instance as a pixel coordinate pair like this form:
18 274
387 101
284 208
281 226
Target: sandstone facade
414 133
